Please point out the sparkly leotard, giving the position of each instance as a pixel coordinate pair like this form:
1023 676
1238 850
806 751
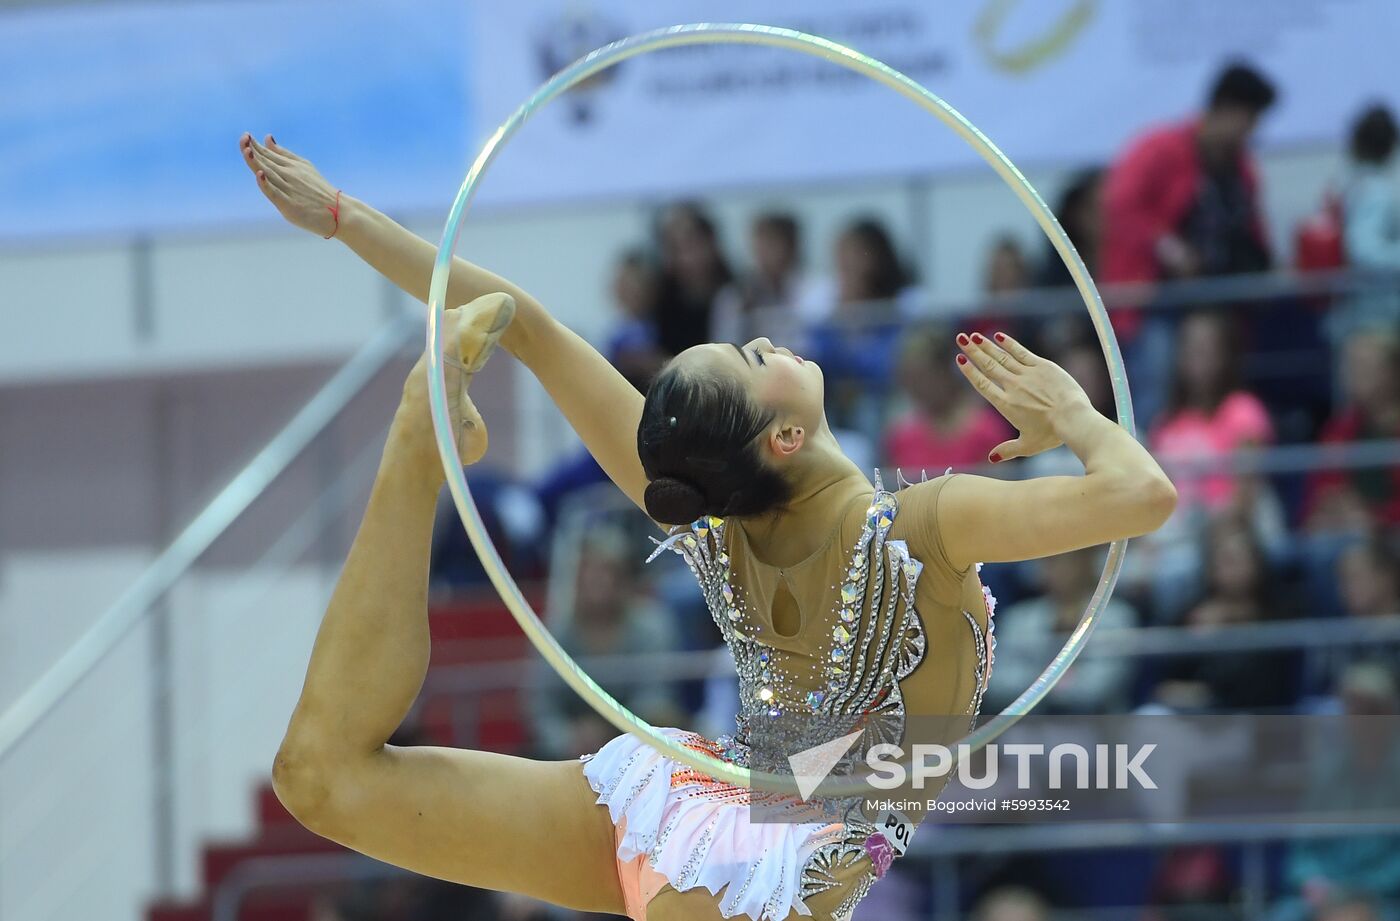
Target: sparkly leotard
885 625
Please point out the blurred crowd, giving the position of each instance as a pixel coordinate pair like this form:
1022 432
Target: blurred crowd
1220 383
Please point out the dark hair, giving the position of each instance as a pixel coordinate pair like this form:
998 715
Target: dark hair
1381 555
781 224
1373 136
695 213
1177 397
887 275
698 443
1241 86
636 257
1072 199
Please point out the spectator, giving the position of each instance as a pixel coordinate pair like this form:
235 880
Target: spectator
1192 883
609 616
693 272
1079 213
1183 200
1032 631
1349 908
859 314
1011 903
1208 417
947 425
1368 581
1208 414
1371 225
1355 776
774 299
1007 271
1007 274
1357 500
1239 590
632 342
868 267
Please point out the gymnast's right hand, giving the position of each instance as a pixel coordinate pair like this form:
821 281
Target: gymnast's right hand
295 187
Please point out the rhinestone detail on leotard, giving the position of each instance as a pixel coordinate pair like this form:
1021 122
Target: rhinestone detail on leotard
878 639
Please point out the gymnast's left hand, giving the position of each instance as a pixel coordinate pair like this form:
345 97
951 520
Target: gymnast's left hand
294 186
1032 393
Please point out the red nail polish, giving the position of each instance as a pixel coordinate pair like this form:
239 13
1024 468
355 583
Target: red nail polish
977 338
962 340
962 359
999 337
996 458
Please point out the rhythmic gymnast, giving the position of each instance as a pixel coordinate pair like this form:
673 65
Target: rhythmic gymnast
836 597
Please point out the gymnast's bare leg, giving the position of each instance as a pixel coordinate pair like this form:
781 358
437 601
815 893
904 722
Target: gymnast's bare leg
472 817
479 818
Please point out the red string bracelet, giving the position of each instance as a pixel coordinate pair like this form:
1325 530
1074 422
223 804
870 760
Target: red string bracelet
335 213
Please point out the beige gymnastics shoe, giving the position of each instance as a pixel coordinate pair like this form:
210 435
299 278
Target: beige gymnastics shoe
478 327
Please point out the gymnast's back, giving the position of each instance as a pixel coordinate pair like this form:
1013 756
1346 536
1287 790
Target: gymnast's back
876 621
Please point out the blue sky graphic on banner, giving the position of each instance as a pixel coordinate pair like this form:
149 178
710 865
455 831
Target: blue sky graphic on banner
126 118
123 117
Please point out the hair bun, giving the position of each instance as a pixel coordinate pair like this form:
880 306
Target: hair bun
672 501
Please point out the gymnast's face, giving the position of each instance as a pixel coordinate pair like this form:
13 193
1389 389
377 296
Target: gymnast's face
775 379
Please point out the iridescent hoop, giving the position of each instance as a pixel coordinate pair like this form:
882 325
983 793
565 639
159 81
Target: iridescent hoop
554 654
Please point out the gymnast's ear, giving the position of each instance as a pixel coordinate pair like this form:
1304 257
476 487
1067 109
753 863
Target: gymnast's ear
786 440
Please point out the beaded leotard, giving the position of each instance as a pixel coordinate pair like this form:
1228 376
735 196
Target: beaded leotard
862 647
886 627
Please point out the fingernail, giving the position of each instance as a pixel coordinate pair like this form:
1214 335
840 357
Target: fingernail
999 337
962 359
962 340
996 458
272 139
977 338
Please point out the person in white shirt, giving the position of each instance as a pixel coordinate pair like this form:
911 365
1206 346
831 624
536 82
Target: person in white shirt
1371 225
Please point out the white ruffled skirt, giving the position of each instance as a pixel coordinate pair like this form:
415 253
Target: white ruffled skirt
696 831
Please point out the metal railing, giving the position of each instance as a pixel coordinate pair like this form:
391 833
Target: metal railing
1136 642
248 484
194 540
1246 291
938 850
223 510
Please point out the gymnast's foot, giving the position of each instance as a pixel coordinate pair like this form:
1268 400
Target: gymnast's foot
470 334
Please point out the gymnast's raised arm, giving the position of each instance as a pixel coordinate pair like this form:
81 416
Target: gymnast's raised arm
1123 492
598 402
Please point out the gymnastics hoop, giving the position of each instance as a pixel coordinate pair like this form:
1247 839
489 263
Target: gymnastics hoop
554 654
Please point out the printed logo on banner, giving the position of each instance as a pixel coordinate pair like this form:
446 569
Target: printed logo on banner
565 38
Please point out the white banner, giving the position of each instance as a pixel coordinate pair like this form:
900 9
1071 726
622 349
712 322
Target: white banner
1050 81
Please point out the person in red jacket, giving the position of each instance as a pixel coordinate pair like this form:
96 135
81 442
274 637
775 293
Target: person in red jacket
1182 202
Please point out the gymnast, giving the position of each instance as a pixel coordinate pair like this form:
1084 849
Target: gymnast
836 597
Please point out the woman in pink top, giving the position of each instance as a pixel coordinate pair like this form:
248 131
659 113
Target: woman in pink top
947 426
1208 415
